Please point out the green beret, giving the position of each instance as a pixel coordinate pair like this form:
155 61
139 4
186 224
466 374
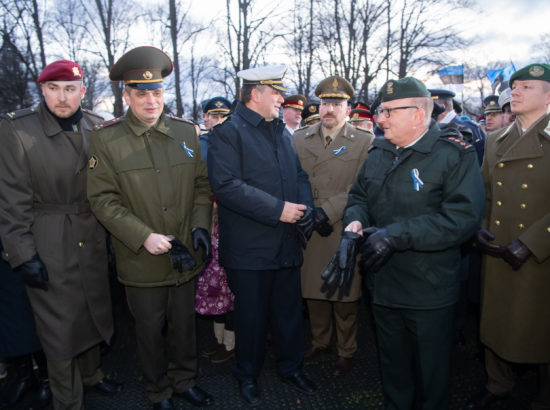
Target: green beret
537 71
334 88
407 87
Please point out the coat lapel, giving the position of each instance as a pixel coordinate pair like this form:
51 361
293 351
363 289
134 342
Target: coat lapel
511 146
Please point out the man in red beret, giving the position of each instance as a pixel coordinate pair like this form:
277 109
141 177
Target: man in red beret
50 236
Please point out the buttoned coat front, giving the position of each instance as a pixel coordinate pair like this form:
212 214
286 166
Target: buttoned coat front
331 171
44 210
515 313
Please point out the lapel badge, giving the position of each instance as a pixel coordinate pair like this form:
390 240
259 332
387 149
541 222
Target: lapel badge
339 150
190 153
92 162
417 182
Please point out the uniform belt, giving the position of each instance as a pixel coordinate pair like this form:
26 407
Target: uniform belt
73 209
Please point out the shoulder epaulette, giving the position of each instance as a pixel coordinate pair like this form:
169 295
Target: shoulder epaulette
302 127
181 119
457 142
94 114
20 113
107 123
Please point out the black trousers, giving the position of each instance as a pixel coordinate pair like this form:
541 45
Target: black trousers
267 298
174 371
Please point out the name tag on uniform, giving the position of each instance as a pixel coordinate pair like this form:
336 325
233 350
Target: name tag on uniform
190 153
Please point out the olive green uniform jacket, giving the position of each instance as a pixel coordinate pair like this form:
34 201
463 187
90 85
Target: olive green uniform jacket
331 172
44 210
515 316
149 179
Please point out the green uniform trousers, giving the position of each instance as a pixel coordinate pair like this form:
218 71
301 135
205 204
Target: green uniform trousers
415 352
324 314
501 379
152 308
67 378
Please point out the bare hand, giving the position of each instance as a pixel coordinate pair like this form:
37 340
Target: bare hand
292 212
356 227
157 244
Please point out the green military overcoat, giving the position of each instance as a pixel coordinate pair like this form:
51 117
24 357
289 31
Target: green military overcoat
145 179
331 172
515 316
44 210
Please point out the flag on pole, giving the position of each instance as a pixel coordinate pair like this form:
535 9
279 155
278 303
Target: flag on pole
501 74
453 74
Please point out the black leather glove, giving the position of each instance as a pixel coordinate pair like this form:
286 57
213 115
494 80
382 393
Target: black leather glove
34 273
483 241
516 253
339 270
202 238
321 223
378 249
181 256
304 227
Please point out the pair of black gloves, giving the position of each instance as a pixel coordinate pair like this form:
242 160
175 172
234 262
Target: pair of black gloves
515 253
314 219
35 274
376 248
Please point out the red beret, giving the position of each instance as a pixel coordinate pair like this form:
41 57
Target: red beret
61 70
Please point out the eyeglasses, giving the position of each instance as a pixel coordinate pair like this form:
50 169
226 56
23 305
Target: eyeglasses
387 111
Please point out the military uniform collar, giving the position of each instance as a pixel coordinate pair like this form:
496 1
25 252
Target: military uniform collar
140 128
252 116
49 124
424 144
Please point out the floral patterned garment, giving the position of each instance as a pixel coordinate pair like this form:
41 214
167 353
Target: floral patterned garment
213 294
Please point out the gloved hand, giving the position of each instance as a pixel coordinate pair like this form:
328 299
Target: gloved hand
483 241
202 238
304 227
181 256
378 249
516 253
339 270
34 273
321 223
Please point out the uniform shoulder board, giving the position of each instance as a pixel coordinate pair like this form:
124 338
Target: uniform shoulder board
20 113
303 127
457 142
93 114
182 119
107 123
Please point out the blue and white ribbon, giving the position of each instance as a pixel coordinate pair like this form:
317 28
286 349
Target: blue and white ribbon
417 182
190 153
339 150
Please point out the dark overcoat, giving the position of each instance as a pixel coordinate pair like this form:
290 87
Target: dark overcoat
515 314
44 210
252 174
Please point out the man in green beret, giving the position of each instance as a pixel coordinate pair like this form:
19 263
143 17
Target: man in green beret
148 185
515 313
331 152
418 196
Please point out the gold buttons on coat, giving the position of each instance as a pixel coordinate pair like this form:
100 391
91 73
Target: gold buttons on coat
499 203
530 166
523 206
524 186
521 226
500 165
497 222
499 183
81 244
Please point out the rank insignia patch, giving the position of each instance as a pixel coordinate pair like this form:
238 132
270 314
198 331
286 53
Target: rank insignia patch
92 162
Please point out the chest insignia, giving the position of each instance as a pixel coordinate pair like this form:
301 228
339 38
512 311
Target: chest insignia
417 182
190 153
339 150
92 162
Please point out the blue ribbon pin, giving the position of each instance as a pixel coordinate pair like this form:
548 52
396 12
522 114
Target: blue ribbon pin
190 153
417 182
339 150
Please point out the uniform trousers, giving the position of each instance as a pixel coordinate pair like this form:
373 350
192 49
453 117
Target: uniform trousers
152 308
324 315
415 352
68 376
501 379
267 298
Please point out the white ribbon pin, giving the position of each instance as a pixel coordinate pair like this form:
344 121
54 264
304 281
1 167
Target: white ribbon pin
417 182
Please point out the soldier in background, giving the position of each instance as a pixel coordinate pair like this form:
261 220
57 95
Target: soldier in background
310 114
50 236
293 107
214 111
493 113
508 117
361 117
